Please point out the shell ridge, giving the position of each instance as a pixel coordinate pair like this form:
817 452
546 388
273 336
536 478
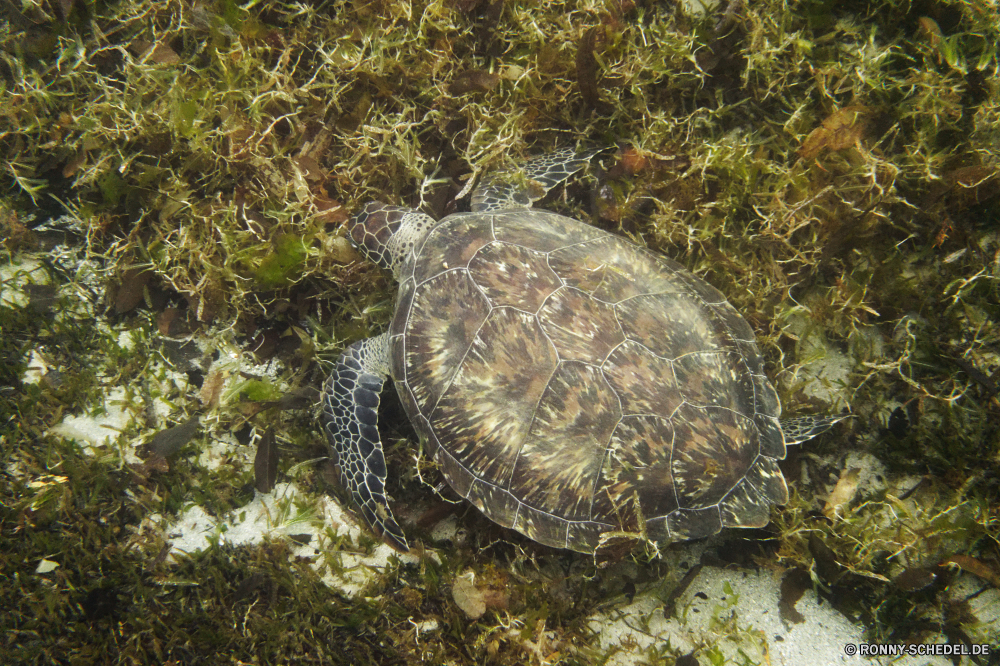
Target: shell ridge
567 289
402 345
758 399
661 259
601 300
707 408
409 268
752 492
546 300
712 307
548 257
708 412
413 398
397 342
746 479
686 291
526 312
614 349
712 304
614 311
691 274
569 521
456 269
653 353
402 335
651 293
418 247
732 334
758 412
476 253
583 242
652 415
607 446
547 337
706 352
738 339
458 371
681 404
756 402
480 290
534 414
442 451
670 468
562 281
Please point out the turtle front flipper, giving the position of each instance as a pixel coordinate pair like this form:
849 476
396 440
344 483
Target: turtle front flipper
804 428
521 187
350 419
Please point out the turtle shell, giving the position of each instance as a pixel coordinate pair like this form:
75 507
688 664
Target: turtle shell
574 386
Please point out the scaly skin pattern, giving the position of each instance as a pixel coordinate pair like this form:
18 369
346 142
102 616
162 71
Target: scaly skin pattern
573 386
350 408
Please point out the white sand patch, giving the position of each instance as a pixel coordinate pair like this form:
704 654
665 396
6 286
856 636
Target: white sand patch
871 473
734 615
95 432
317 528
98 430
225 450
16 276
699 7
824 370
448 530
984 604
37 367
308 525
128 339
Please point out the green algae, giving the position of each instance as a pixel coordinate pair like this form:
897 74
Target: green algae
831 167
282 264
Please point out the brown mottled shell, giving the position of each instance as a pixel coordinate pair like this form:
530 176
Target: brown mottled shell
572 384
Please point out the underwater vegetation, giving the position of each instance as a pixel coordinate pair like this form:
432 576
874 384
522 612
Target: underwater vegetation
176 283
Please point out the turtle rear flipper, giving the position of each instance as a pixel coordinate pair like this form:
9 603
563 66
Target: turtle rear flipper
803 428
350 419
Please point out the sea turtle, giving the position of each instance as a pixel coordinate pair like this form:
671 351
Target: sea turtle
572 385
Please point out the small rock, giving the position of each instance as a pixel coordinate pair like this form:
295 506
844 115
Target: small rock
474 601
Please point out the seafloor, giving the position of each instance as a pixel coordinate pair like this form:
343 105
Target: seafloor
176 283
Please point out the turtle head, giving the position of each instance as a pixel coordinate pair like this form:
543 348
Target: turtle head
387 234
